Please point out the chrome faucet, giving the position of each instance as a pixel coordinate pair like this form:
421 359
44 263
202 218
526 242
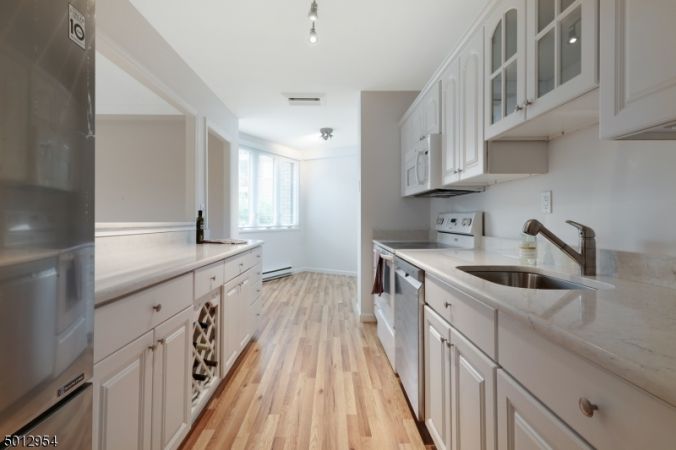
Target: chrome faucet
587 256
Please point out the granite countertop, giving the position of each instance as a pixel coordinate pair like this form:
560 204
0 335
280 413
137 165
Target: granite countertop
128 272
627 327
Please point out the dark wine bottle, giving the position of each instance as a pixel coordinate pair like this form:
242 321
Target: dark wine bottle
200 227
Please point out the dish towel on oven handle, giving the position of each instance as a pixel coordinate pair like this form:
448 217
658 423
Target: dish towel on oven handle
378 287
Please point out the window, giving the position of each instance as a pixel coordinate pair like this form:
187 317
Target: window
268 191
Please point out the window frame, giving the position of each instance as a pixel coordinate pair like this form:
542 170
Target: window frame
254 225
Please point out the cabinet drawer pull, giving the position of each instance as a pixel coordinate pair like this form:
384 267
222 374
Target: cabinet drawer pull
213 278
587 407
157 308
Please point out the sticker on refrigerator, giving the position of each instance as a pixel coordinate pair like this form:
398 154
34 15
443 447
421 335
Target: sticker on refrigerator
76 27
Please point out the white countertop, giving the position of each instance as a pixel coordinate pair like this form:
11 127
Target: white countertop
131 272
629 328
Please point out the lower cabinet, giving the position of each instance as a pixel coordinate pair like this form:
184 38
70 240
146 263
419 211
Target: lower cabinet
142 391
172 382
437 378
241 314
525 424
123 387
472 396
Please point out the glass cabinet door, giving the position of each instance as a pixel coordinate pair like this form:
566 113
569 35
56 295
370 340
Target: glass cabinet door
562 51
559 42
503 67
505 63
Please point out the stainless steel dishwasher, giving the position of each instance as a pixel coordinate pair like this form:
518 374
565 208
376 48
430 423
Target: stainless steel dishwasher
408 306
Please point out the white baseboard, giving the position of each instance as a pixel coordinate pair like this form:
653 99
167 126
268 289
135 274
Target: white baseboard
326 271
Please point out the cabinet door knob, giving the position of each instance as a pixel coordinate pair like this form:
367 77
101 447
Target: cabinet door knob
529 102
157 308
444 340
587 407
455 172
459 170
518 108
447 305
448 344
161 341
152 347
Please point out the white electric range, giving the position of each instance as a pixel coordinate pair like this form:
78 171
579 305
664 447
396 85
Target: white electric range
399 308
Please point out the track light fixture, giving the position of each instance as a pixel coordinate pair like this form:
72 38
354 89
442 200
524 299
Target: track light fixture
312 15
313 35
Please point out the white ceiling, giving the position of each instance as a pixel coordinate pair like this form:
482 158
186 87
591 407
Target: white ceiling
117 93
250 52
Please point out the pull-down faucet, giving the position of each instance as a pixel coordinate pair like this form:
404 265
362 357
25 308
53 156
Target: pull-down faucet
587 256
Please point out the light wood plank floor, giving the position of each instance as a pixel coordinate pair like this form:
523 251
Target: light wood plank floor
315 378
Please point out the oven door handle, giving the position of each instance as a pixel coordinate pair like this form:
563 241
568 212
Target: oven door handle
417 285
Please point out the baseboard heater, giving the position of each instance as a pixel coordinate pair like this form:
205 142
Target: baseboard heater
277 273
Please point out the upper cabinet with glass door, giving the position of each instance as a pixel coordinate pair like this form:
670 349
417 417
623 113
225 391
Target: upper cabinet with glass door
562 61
540 55
505 67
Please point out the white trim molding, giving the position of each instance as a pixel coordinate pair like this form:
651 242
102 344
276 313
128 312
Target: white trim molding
105 229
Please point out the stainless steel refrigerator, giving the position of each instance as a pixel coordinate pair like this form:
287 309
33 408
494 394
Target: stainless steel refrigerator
46 221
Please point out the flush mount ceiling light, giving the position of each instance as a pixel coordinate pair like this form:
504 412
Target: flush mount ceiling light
327 133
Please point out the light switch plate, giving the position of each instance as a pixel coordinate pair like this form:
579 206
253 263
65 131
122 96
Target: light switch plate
546 202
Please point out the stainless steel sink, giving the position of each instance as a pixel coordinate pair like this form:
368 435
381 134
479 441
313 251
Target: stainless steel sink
521 278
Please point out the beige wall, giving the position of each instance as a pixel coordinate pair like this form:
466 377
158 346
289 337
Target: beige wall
141 170
382 207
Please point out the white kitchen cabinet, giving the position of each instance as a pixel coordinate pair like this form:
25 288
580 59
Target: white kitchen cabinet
450 100
525 424
172 381
232 298
540 56
142 391
638 91
123 388
473 384
505 62
563 57
468 160
431 110
472 145
437 334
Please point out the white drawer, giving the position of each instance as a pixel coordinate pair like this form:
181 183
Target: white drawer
627 417
474 319
118 323
235 266
208 279
254 257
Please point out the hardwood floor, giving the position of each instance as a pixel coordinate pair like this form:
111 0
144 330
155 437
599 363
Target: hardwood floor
315 378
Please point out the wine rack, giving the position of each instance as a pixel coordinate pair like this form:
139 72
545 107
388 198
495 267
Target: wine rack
205 338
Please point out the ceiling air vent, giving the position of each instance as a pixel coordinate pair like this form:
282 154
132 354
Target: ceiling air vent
305 99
